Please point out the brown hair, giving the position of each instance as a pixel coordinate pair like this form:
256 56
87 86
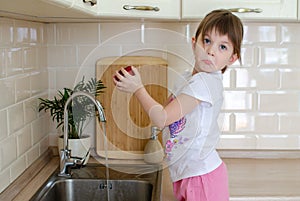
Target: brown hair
225 23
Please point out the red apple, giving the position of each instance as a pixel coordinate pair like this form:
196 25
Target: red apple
128 69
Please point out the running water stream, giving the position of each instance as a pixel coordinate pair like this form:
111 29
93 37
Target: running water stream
108 187
106 159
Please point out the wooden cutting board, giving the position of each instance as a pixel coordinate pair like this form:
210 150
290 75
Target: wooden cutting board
128 127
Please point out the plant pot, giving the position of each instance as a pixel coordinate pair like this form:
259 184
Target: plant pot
79 147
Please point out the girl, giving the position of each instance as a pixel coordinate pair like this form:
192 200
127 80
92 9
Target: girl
189 120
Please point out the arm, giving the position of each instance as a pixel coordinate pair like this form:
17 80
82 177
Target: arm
173 111
159 115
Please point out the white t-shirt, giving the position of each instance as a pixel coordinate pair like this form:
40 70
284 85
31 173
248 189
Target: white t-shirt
190 142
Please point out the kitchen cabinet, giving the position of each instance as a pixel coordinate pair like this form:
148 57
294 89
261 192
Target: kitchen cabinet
245 9
86 10
78 10
166 9
47 10
89 7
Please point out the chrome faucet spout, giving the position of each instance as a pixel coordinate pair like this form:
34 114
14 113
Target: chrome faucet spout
66 159
101 111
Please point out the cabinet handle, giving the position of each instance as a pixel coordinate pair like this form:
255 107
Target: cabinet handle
246 10
93 2
143 8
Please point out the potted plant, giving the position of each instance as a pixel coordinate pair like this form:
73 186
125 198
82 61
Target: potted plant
80 111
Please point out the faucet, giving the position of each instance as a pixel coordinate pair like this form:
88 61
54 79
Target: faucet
66 160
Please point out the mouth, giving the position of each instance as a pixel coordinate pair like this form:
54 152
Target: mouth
207 62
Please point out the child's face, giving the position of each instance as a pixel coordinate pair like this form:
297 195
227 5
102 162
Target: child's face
213 53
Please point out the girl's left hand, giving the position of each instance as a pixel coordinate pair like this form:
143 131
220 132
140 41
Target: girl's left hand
127 82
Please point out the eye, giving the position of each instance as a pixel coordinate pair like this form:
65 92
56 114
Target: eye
223 47
206 41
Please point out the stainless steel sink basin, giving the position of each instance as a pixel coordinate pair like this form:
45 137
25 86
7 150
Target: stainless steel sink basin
125 183
91 189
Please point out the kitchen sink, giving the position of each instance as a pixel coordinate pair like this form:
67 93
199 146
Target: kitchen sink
101 183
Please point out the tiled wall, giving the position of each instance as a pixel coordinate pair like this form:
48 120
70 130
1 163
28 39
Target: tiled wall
262 99
23 78
262 103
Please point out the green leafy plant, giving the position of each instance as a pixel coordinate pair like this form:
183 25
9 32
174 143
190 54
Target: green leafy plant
80 110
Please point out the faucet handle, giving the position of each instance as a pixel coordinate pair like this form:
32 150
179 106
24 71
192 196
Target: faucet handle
80 161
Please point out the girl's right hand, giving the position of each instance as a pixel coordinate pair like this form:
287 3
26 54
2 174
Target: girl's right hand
128 82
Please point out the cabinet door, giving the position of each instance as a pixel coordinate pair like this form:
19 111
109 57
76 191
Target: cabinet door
86 6
42 10
271 9
166 9
83 6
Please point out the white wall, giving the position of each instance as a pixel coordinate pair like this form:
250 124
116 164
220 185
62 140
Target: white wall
23 78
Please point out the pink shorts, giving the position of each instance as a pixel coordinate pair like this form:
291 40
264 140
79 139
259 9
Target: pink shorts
212 186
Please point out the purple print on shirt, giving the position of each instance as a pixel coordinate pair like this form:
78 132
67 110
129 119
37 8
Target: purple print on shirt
177 126
175 138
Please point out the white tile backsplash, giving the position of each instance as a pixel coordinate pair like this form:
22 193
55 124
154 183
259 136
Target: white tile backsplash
238 100
261 107
40 129
78 33
22 89
260 33
127 33
288 79
289 33
289 123
21 32
30 60
33 154
266 123
165 34
7 87
6 32
2 62
24 77
262 79
4 178
8 152
15 118
14 61
24 140
62 56
3 125
18 167
278 101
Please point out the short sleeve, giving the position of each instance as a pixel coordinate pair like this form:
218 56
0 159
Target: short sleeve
198 87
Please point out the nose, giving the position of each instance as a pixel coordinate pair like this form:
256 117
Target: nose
211 50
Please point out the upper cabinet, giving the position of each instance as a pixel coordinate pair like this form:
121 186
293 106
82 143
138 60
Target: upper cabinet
87 10
166 9
162 9
90 10
86 6
47 10
245 9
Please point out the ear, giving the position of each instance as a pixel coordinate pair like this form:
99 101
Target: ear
232 59
193 43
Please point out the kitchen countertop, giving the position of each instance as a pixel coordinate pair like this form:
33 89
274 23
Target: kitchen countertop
249 179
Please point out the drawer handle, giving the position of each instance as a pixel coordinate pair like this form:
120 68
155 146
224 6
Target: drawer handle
245 10
93 2
143 8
